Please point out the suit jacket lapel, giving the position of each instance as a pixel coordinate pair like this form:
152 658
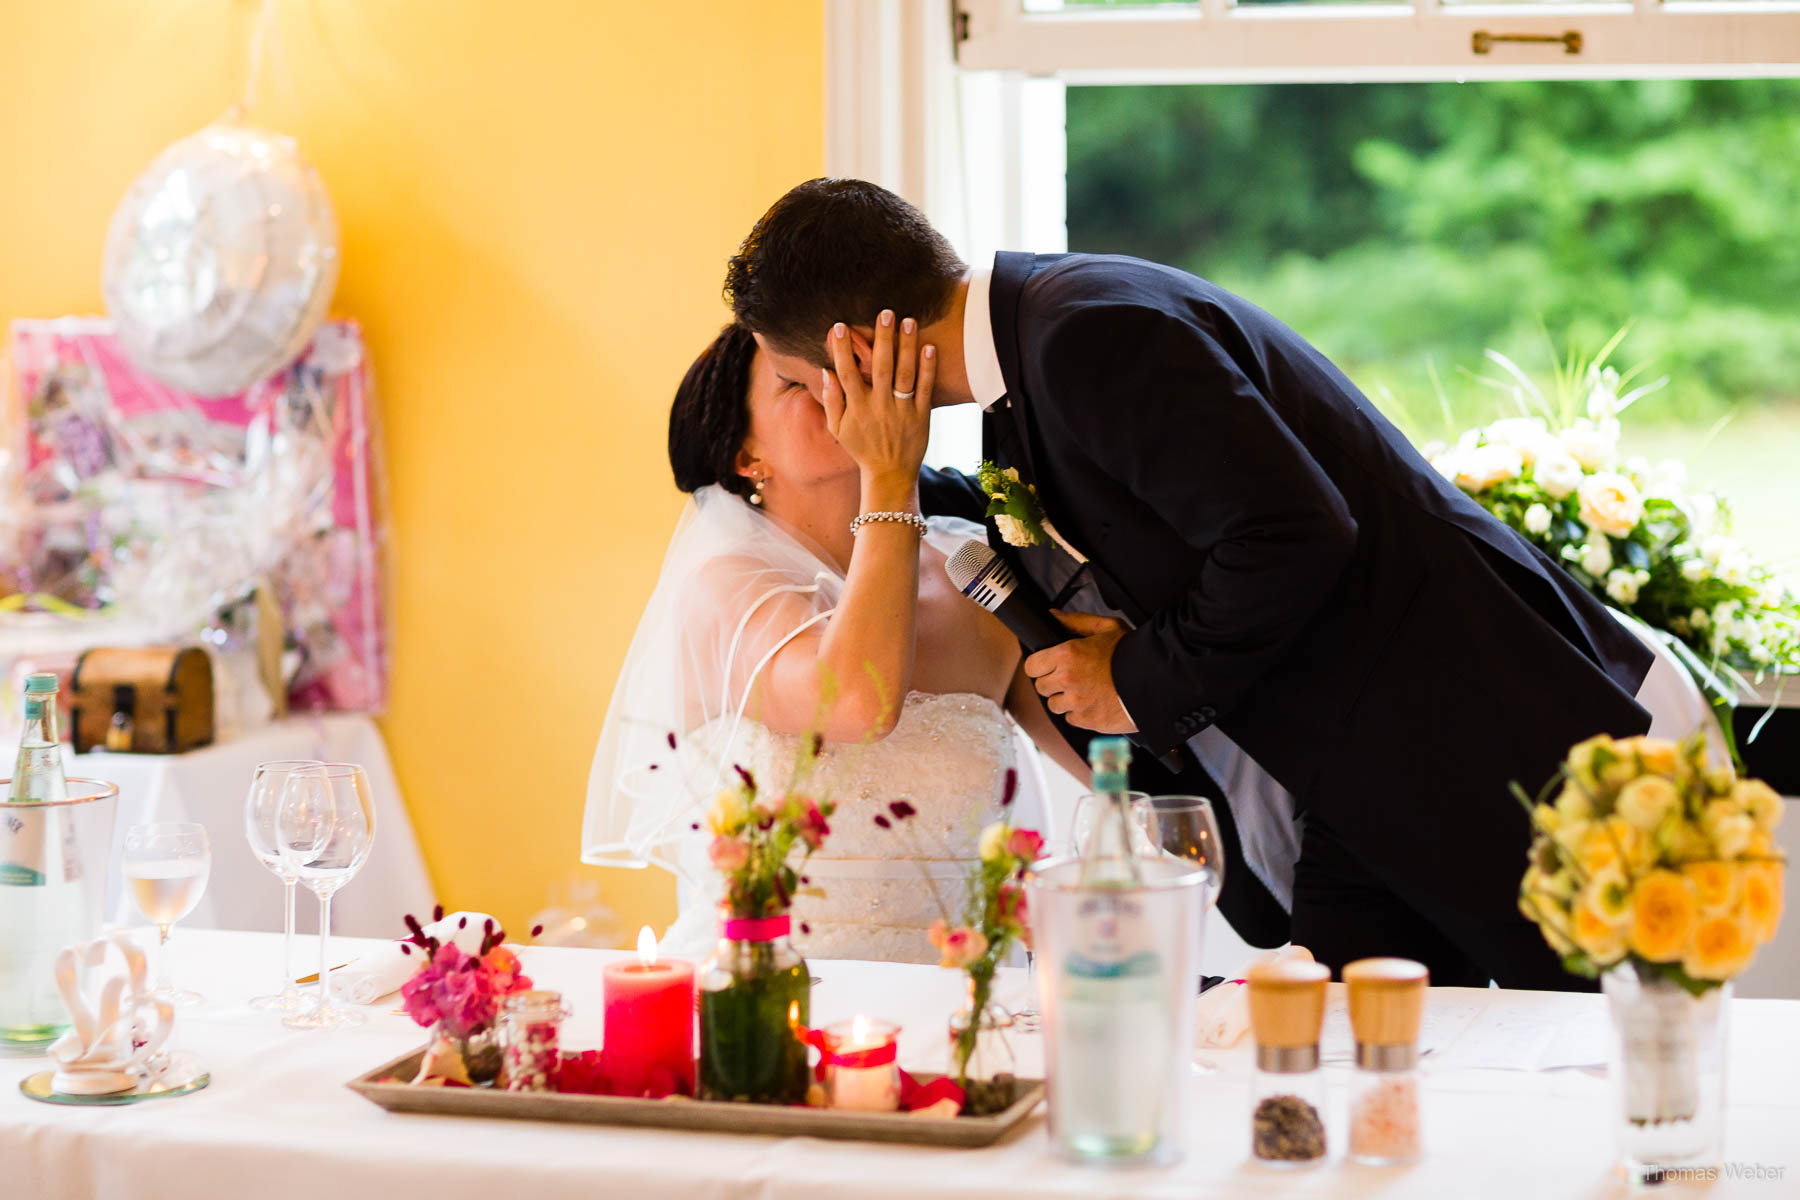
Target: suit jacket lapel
1007 426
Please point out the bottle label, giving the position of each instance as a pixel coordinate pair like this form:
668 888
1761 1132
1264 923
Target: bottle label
34 710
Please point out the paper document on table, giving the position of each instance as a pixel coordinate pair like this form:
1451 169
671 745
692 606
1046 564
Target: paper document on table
1554 1037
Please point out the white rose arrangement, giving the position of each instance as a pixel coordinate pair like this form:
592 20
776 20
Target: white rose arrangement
1630 531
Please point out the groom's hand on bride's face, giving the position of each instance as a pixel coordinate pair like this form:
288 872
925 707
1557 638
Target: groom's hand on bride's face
1075 678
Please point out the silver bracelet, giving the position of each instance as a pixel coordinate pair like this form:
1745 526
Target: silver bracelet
898 518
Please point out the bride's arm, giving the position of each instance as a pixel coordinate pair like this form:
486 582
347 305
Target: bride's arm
1027 708
850 681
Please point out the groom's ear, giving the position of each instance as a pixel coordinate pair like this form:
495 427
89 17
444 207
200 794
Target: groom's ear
862 342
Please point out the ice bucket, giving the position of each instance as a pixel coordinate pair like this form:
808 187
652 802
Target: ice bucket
54 859
1118 970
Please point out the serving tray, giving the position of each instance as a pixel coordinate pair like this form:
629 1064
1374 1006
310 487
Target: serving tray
681 1113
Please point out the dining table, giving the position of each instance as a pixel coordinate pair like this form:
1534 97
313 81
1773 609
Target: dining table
1515 1104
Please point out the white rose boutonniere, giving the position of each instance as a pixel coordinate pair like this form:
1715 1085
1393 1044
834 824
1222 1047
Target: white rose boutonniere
1017 514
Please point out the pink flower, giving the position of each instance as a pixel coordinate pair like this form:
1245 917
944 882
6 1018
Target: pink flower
728 853
1026 845
813 826
1010 902
957 947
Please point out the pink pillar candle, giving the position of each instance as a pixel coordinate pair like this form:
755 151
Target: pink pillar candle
649 1046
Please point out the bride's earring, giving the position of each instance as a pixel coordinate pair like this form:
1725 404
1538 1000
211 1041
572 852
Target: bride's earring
756 497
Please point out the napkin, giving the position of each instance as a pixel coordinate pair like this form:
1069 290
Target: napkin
366 979
1222 1014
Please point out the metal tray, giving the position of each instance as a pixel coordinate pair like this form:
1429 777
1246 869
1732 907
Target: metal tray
709 1116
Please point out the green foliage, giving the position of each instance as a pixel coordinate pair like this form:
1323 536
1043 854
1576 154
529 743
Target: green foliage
1403 225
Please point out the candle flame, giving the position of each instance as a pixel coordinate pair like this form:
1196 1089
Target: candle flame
646 947
794 1014
859 1029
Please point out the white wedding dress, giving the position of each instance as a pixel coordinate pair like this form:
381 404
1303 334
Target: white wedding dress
882 888
736 587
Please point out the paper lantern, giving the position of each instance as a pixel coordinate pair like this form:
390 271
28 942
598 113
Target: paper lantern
221 260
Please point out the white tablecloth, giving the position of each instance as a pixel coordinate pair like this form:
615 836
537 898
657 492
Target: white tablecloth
277 1121
209 785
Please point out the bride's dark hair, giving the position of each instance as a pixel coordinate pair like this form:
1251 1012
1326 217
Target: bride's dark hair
711 414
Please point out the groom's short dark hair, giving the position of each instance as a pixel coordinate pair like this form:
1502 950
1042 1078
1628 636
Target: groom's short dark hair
838 250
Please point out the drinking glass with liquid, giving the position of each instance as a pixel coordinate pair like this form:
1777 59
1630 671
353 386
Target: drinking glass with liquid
167 865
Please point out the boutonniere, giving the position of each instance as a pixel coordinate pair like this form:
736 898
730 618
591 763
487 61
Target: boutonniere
1014 505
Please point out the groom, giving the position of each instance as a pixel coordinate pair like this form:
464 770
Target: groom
1265 553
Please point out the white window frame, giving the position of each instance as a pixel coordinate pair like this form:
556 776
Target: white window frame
1216 41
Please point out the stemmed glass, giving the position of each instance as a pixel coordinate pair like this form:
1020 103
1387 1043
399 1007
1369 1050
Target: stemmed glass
324 828
166 868
1185 827
262 808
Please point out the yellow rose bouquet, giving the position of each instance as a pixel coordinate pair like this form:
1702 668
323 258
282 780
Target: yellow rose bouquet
1648 855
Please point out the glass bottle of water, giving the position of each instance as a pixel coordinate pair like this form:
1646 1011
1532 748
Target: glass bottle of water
1106 859
1112 991
38 771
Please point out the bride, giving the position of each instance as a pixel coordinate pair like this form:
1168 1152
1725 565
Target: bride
802 595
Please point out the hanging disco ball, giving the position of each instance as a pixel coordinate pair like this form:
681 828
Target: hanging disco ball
221 260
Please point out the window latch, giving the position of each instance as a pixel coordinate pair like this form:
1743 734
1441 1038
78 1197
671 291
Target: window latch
1483 42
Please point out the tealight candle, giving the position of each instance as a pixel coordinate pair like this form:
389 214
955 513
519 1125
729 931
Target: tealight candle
649 1046
862 1067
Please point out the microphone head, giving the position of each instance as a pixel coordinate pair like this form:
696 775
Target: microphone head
980 574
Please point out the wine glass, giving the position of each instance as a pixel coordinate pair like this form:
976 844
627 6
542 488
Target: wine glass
166 867
325 827
1186 828
1088 809
262 807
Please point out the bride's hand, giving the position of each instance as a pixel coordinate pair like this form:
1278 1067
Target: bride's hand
885 433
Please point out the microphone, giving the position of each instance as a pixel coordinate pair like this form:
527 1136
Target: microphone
984 577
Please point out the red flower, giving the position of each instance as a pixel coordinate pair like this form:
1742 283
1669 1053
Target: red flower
1026 845
813 826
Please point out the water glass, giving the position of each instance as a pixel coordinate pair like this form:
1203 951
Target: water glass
325 827
166 868
1186 828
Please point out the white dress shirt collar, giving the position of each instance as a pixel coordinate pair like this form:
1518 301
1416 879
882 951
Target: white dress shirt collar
982 361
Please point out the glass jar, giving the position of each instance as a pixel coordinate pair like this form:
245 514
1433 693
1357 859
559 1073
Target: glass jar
1287 1107
1385 1125
480 1050
531 1040
861 1065
982 1057
1667 1070
755 1008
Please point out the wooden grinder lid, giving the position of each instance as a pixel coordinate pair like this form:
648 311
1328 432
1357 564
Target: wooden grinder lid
1387 999
1287 1002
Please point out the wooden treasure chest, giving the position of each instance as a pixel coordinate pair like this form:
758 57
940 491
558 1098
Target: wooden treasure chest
142 699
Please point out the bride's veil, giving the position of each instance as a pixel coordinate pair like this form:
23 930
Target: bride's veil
736 586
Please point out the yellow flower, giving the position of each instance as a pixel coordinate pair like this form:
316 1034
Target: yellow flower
1552 920
1728 826
1572 804
1685 843
1760 885
993 841
1599 938
1662 757
1646 800
1602 843
1762 802
1608 896
1722 947
728 813
1662 916
1545 818
1582 756
1715 884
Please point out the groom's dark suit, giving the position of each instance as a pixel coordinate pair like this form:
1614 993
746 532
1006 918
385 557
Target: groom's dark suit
1298 574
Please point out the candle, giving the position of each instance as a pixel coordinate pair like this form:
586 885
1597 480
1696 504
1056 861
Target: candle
862 1069
649 1038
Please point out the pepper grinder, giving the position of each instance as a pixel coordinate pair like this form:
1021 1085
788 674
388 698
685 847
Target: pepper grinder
1287 1089
1387 999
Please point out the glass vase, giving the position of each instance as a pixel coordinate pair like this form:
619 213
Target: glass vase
480 1052
1667 1070
755 1005
982 1058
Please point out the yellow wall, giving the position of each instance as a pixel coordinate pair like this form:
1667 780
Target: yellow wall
537 199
